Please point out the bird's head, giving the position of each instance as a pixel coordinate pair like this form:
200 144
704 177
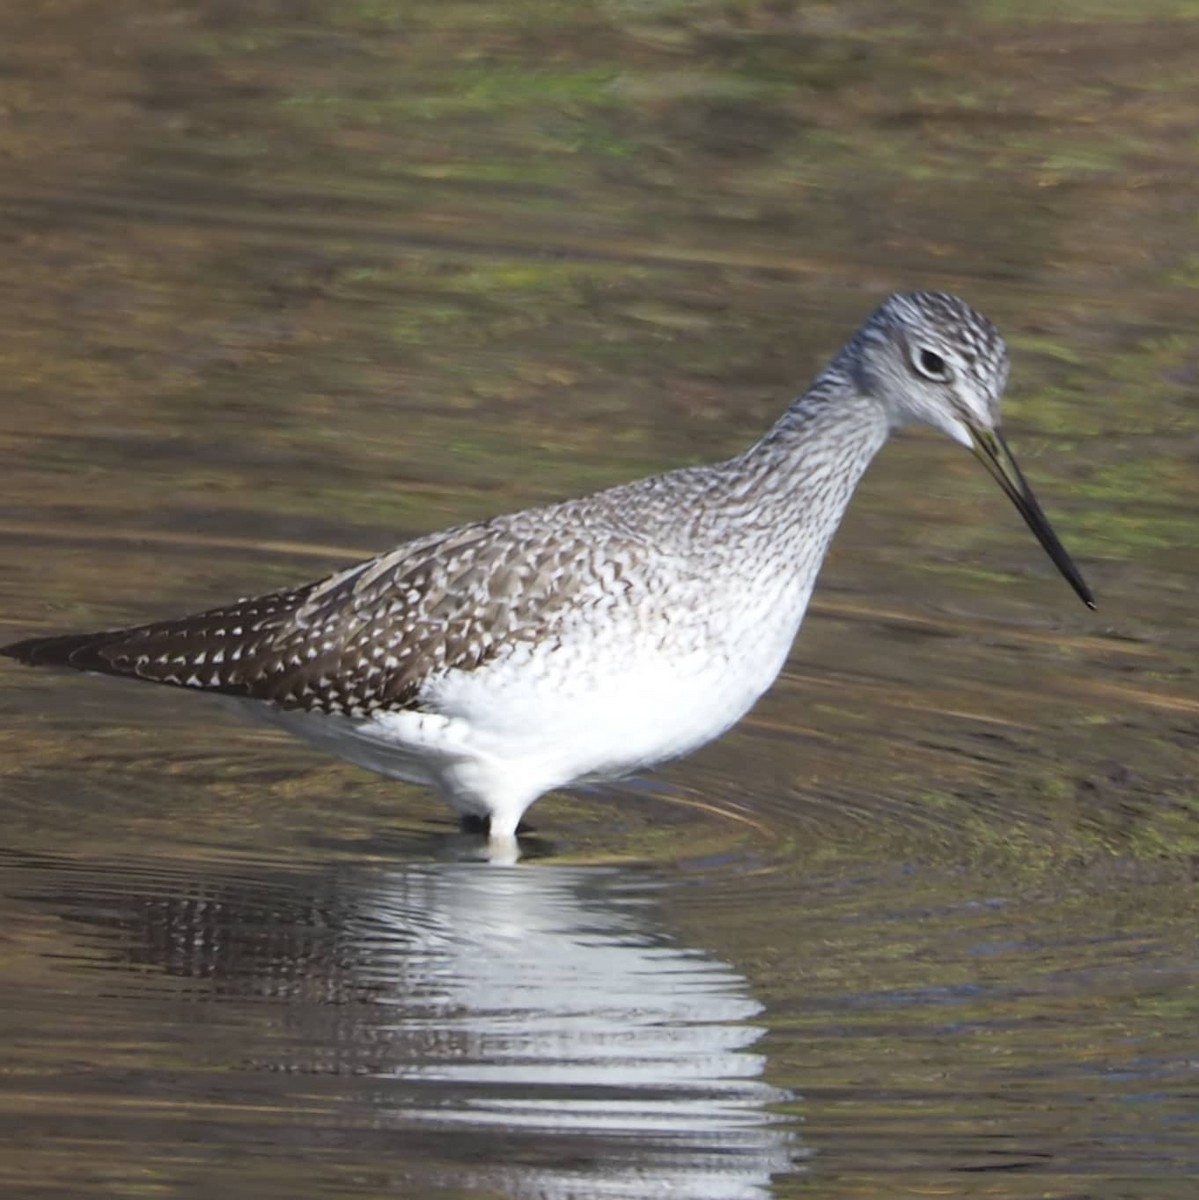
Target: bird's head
928 357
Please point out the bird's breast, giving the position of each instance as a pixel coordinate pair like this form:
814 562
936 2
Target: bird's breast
643 687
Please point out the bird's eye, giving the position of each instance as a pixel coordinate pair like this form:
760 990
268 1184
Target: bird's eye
931 365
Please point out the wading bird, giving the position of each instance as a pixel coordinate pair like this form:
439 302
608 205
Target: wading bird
594 638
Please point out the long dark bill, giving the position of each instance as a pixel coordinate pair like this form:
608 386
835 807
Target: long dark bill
993 452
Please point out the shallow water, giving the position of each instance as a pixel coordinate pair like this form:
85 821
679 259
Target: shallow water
282 284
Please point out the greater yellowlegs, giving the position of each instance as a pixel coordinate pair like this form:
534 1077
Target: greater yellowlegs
597 637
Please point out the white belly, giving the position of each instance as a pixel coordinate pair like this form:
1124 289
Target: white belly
546 715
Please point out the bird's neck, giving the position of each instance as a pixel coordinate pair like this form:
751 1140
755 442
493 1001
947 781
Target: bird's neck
799 478
780 502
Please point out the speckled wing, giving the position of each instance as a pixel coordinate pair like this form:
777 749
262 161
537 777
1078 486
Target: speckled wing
363 640
232 649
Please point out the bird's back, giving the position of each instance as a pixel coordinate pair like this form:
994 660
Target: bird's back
372 637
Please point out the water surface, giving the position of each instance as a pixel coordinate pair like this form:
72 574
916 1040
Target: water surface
282 285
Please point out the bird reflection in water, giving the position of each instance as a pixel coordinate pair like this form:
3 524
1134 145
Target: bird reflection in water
527 1029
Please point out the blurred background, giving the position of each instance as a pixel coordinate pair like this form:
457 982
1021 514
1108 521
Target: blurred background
282 283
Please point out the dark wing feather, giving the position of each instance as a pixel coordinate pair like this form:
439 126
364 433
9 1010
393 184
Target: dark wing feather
223 649
362 640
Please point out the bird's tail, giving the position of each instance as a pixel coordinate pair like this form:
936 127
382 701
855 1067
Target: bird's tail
225 649
82 651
